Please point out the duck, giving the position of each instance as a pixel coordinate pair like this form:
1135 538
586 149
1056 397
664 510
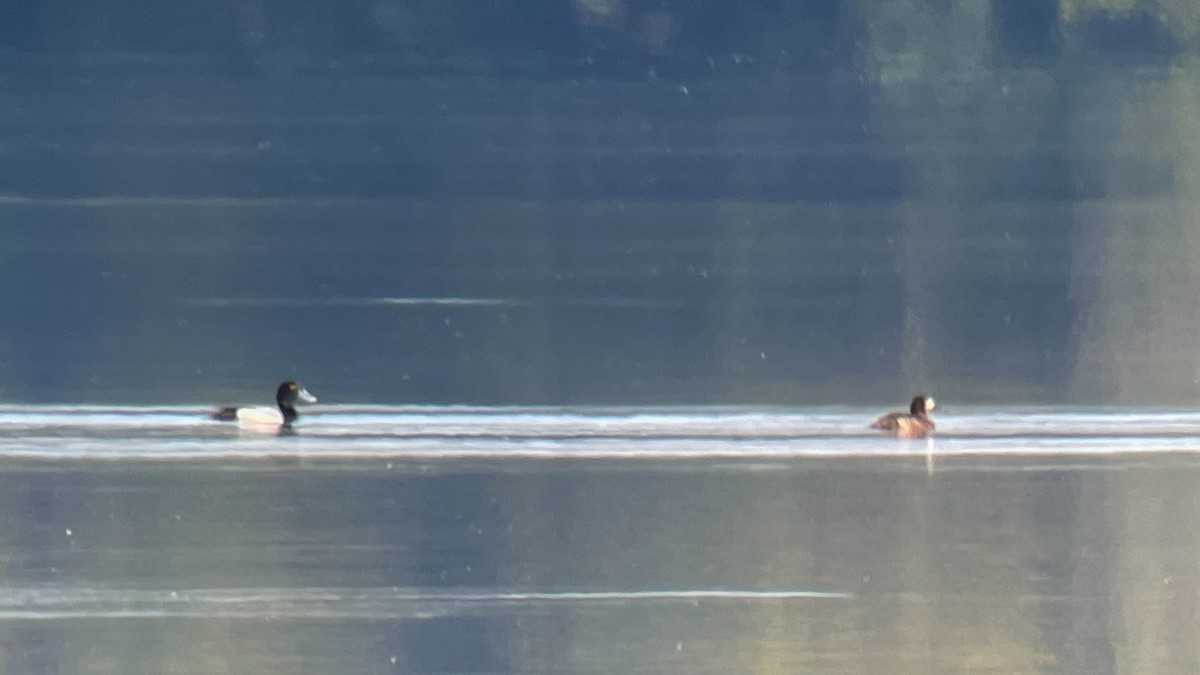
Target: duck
916 423
283 415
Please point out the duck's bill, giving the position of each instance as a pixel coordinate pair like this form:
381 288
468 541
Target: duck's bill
930 404
306 397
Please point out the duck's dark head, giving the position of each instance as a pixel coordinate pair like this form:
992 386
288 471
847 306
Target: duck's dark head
289 394
922 405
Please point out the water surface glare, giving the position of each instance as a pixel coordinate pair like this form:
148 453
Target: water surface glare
410 539
500 434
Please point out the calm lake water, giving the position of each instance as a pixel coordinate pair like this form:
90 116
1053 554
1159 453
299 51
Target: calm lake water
486 540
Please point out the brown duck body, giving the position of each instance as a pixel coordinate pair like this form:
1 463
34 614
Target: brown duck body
916 423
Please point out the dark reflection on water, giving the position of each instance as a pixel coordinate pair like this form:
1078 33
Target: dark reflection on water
911 560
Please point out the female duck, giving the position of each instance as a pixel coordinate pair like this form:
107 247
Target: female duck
286 397
916 423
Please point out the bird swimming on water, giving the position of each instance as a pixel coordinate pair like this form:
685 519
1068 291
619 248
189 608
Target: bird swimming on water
916 423
283 415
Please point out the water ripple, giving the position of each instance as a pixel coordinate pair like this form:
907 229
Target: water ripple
480 433
56 603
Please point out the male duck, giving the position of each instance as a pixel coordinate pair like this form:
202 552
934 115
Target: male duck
286 397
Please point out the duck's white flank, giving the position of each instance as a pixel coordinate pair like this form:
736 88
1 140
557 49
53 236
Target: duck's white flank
260 416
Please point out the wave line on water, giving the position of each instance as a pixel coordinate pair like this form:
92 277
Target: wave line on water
436 301
427 301
55 603
434 434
